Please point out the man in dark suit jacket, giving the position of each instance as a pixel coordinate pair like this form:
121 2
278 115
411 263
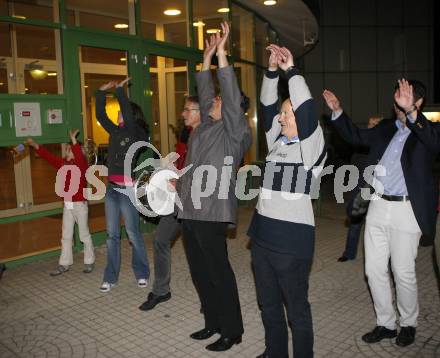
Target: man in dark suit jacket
406 146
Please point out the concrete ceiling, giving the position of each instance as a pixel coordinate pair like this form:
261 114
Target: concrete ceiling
293 20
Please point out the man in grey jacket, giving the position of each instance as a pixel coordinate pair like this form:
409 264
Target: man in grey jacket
207 192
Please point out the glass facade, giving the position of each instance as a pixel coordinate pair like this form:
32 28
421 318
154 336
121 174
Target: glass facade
103 41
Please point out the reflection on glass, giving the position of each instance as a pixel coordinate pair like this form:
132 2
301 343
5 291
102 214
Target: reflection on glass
3 79
156 25
24 238
169 86
261 42
8 198
242 33
5 42
96 217
102 15
207 15
33 10
102 55
43 176
37 58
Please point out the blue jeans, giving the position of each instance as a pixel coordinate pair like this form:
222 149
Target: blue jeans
116 204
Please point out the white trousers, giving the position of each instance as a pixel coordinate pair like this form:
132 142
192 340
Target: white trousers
391 231
76 212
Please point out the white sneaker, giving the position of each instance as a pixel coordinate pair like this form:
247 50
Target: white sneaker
142 282
106 286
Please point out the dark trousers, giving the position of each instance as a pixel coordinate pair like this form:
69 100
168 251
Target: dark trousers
353 236
281 278
207 253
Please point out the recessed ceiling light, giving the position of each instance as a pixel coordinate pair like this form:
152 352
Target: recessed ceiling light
223 9
172 12
212 31
121 26
19 17
122 59
51 74
198 23
1 83
270 2
85 86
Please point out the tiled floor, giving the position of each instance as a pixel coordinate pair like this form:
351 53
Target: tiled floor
67 316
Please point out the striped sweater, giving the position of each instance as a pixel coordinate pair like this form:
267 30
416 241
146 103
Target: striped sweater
283 220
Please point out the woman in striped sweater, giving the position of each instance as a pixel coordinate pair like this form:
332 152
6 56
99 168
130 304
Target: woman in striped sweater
283 228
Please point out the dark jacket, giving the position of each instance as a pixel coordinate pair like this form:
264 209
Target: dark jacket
418 156
121 137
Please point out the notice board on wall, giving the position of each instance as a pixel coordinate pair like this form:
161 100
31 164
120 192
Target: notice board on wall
27 117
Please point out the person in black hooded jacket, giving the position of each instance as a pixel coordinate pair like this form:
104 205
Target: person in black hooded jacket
131 128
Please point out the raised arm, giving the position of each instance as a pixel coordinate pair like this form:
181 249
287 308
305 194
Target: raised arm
309 131
79 156
124 104
269 100
54 160
344 125
205 84
427 132
100 111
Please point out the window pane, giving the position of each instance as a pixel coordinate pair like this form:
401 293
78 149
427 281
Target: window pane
261 42
3 80
34 10
104 56
103 15
156 25
242 33
8 198
169 86
27 237
38 64
5 41
44 176
206 16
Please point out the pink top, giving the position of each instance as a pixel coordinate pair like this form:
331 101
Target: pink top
121 180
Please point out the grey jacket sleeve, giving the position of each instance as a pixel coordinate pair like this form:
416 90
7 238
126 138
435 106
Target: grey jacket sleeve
206 93
234 121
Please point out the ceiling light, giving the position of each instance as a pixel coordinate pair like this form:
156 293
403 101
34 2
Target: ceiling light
85 86
121 26
122 59
1 83
19 17
212 31
223 9
270 2
172 12
52 74
199 24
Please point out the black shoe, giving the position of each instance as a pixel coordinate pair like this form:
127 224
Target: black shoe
379 333
204 333
153 300
406 336
223 344
343 259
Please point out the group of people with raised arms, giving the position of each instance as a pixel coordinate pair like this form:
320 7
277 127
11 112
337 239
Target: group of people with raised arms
282 229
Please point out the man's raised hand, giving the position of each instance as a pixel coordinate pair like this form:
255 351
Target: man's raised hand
404 97
332 101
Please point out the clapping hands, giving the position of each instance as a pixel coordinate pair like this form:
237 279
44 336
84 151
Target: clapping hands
280 57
